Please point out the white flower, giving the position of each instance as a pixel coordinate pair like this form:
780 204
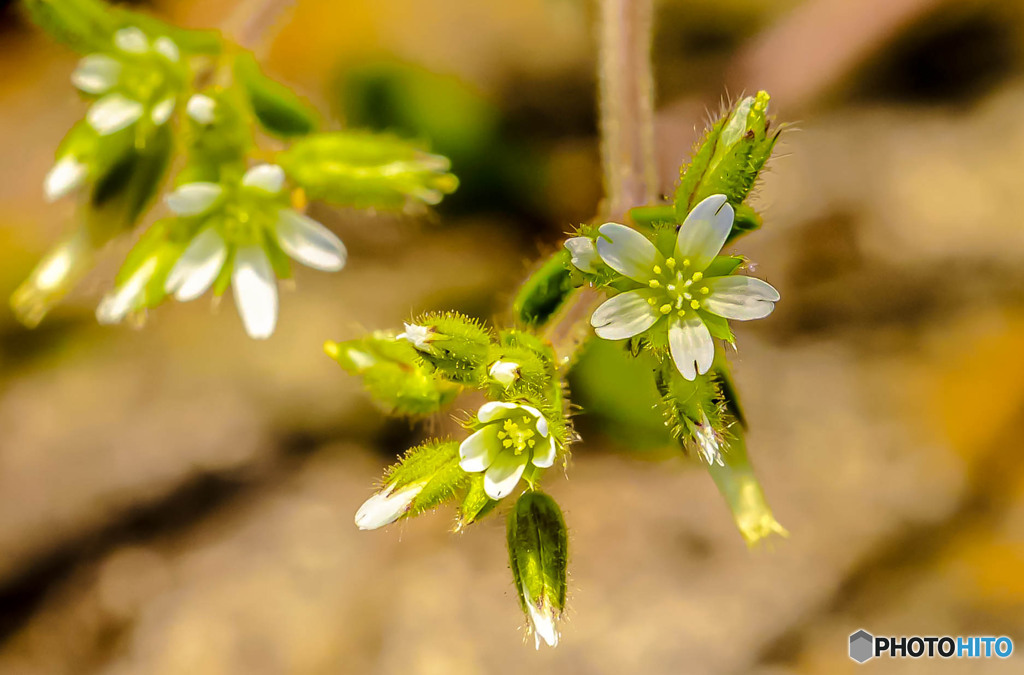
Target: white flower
584 253
112 113
194 199
266 177
419 336
201 108
386 506
505 372
96 74
675 288
198 266
512 436
67 175
131 40
128 296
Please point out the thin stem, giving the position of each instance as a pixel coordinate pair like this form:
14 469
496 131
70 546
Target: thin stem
626 94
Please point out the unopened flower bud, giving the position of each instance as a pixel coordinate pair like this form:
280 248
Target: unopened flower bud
419 336
538 555
584 253
505 372
387 506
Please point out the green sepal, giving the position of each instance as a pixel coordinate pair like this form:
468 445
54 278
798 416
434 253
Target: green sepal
538 548
392 374
437 462
475 505
279 110
459 346
651 217
545 290
217 152
686 404
718 326
743 492
724 265
364 170
746 220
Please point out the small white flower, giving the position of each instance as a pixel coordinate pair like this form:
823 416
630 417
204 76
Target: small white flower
166 47
162 111
676 289
266 177
193 199
131 40
67 175
112 113
386 506
419 336
198 266
254 286
201 108
512 436
584 253
128 296
505 372
309 242
96 74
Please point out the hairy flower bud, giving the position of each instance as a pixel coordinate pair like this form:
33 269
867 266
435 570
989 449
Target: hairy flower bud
538 555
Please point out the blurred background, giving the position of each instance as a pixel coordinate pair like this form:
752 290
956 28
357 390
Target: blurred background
179 498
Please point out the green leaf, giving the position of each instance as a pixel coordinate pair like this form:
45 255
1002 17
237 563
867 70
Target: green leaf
278 109
545 290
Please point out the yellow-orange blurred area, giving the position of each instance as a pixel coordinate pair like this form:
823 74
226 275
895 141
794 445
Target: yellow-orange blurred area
177 498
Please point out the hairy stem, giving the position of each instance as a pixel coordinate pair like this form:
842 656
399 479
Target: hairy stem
626 95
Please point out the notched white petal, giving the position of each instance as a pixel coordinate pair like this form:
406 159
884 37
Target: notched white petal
96 74
627 252
480 449
544 454
494 410
193 199
704 232
623 316
254 286
583 253
740 297
112 113
309 242
266 177
691 347
198 266
503 474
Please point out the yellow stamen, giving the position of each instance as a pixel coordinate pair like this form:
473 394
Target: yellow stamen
686 262
654 283
695 304
705 290
697 276
657 269
665 309
671 263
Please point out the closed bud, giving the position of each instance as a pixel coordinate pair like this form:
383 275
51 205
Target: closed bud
456 345
538 555
504 373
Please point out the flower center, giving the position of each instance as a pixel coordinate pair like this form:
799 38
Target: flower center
517 434
677 288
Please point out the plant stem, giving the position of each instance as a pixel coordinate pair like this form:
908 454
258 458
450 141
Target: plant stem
626 95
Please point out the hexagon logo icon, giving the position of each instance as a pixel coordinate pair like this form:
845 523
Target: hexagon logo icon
862 646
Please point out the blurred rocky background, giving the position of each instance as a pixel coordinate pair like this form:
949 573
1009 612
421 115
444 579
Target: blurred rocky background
179 499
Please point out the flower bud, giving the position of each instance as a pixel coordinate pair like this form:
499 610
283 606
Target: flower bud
387 506
505 372
538 555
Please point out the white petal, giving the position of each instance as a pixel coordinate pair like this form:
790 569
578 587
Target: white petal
309 242
165 47
162 111
479 451
66 175
740 297
201 108
255 289
494 410
193 199
544 454
198 266
504 373
112 113
131 40
419 336
690 341
704 232
627 252
584 253
542 423
127 296
96 73
267 177
544 627
623 316
503 475
386 506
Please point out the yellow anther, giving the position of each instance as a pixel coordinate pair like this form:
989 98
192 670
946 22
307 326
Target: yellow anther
657 269
686 262
705 290
502 434
507 443
695 304
671 263
654 283
697 276
665 309
652 301
531 443
681 312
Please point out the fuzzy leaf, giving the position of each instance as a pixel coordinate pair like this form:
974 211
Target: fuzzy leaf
278 109
544 291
